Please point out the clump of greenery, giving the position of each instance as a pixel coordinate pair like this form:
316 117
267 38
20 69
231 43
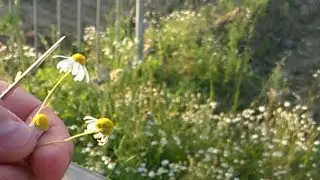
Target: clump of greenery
161 135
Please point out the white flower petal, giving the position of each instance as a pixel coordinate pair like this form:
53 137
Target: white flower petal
64 65
90 121
78 70
59 56
75 68
91 127
80 75
86 74
89 118
103 141
98 136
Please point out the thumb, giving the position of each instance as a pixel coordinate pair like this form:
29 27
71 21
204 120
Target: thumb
17 139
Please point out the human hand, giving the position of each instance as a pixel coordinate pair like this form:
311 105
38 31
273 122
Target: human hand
20 157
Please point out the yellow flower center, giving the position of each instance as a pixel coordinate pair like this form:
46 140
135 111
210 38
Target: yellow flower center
79 58
104 126
41 121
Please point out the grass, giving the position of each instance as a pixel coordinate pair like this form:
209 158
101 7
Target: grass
196 108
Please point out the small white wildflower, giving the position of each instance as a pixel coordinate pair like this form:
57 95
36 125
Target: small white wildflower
224 165
154 143
308 174
162 170
75 64
114 75
207 158
163 141
152 174
212 150
105 158
106 162
284 142
226 153
213 105
228 175
142 170
277 154
287 104
255 136
164 162
177 140
262 109
102 128
111 165
172 165
171 174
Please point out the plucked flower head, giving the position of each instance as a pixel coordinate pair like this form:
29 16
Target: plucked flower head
75 64
41 122
102 127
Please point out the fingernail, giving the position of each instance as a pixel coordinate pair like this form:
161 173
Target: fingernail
13 134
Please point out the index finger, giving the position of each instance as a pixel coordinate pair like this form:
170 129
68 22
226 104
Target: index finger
19 101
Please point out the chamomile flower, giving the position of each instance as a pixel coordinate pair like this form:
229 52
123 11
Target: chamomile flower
102 128
75 64
41 122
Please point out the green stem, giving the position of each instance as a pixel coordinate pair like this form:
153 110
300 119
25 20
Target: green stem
51 92
79 135
70 138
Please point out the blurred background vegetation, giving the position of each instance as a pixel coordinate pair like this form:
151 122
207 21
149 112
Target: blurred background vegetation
227 89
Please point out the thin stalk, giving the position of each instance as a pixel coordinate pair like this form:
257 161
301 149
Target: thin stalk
139 29
10 6
71 138
52 90
79 23
117 28
35 27
98 36
59 18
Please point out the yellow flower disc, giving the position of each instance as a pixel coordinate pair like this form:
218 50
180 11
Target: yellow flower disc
104 126
79 58
41 121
